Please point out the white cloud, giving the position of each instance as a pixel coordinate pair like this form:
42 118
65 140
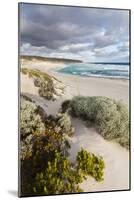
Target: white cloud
75 47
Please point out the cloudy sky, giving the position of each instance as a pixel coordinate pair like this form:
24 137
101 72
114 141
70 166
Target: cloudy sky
96 35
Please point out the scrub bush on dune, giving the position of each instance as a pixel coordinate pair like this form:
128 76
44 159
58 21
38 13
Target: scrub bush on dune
89 164
65 123
110 117
62 176
48 86
45 164
30 120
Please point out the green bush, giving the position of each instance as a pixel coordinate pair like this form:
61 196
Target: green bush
26 147
65 123
44 82
65 106
109 116
62 176
32 124
46 87
30 120
59 177
45 166
89 164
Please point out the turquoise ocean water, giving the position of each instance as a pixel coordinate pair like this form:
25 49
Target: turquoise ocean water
105 70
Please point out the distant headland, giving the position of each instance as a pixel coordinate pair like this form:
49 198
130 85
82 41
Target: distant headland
51 59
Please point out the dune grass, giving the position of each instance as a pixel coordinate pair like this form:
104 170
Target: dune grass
46 83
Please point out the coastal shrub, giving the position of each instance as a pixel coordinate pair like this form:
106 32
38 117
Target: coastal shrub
89 164
59 177
109 116
65 123
65 106
30 120
45 166
46 87
35 153
32 124
47 84
62 176
26 147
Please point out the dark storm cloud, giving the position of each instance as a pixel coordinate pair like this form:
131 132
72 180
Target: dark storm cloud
71 29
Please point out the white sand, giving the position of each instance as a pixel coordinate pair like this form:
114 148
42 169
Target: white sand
90 86
27 85
116 176
86 86
41 65
116 157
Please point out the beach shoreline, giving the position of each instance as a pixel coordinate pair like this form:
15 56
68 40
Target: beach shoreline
77 85
117 89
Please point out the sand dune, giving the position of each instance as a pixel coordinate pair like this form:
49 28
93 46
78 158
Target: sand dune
116 176
116 157
27 85
41 65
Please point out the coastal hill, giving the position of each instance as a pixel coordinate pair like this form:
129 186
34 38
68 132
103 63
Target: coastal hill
51 59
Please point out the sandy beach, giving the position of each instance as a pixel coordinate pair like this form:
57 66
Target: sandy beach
116 158
89 86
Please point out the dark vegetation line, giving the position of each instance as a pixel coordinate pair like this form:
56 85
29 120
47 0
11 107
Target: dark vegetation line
28 57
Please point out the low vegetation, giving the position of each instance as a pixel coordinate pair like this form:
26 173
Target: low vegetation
45 165
64 122
89 164
110 117
50 59
49 86
31 122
